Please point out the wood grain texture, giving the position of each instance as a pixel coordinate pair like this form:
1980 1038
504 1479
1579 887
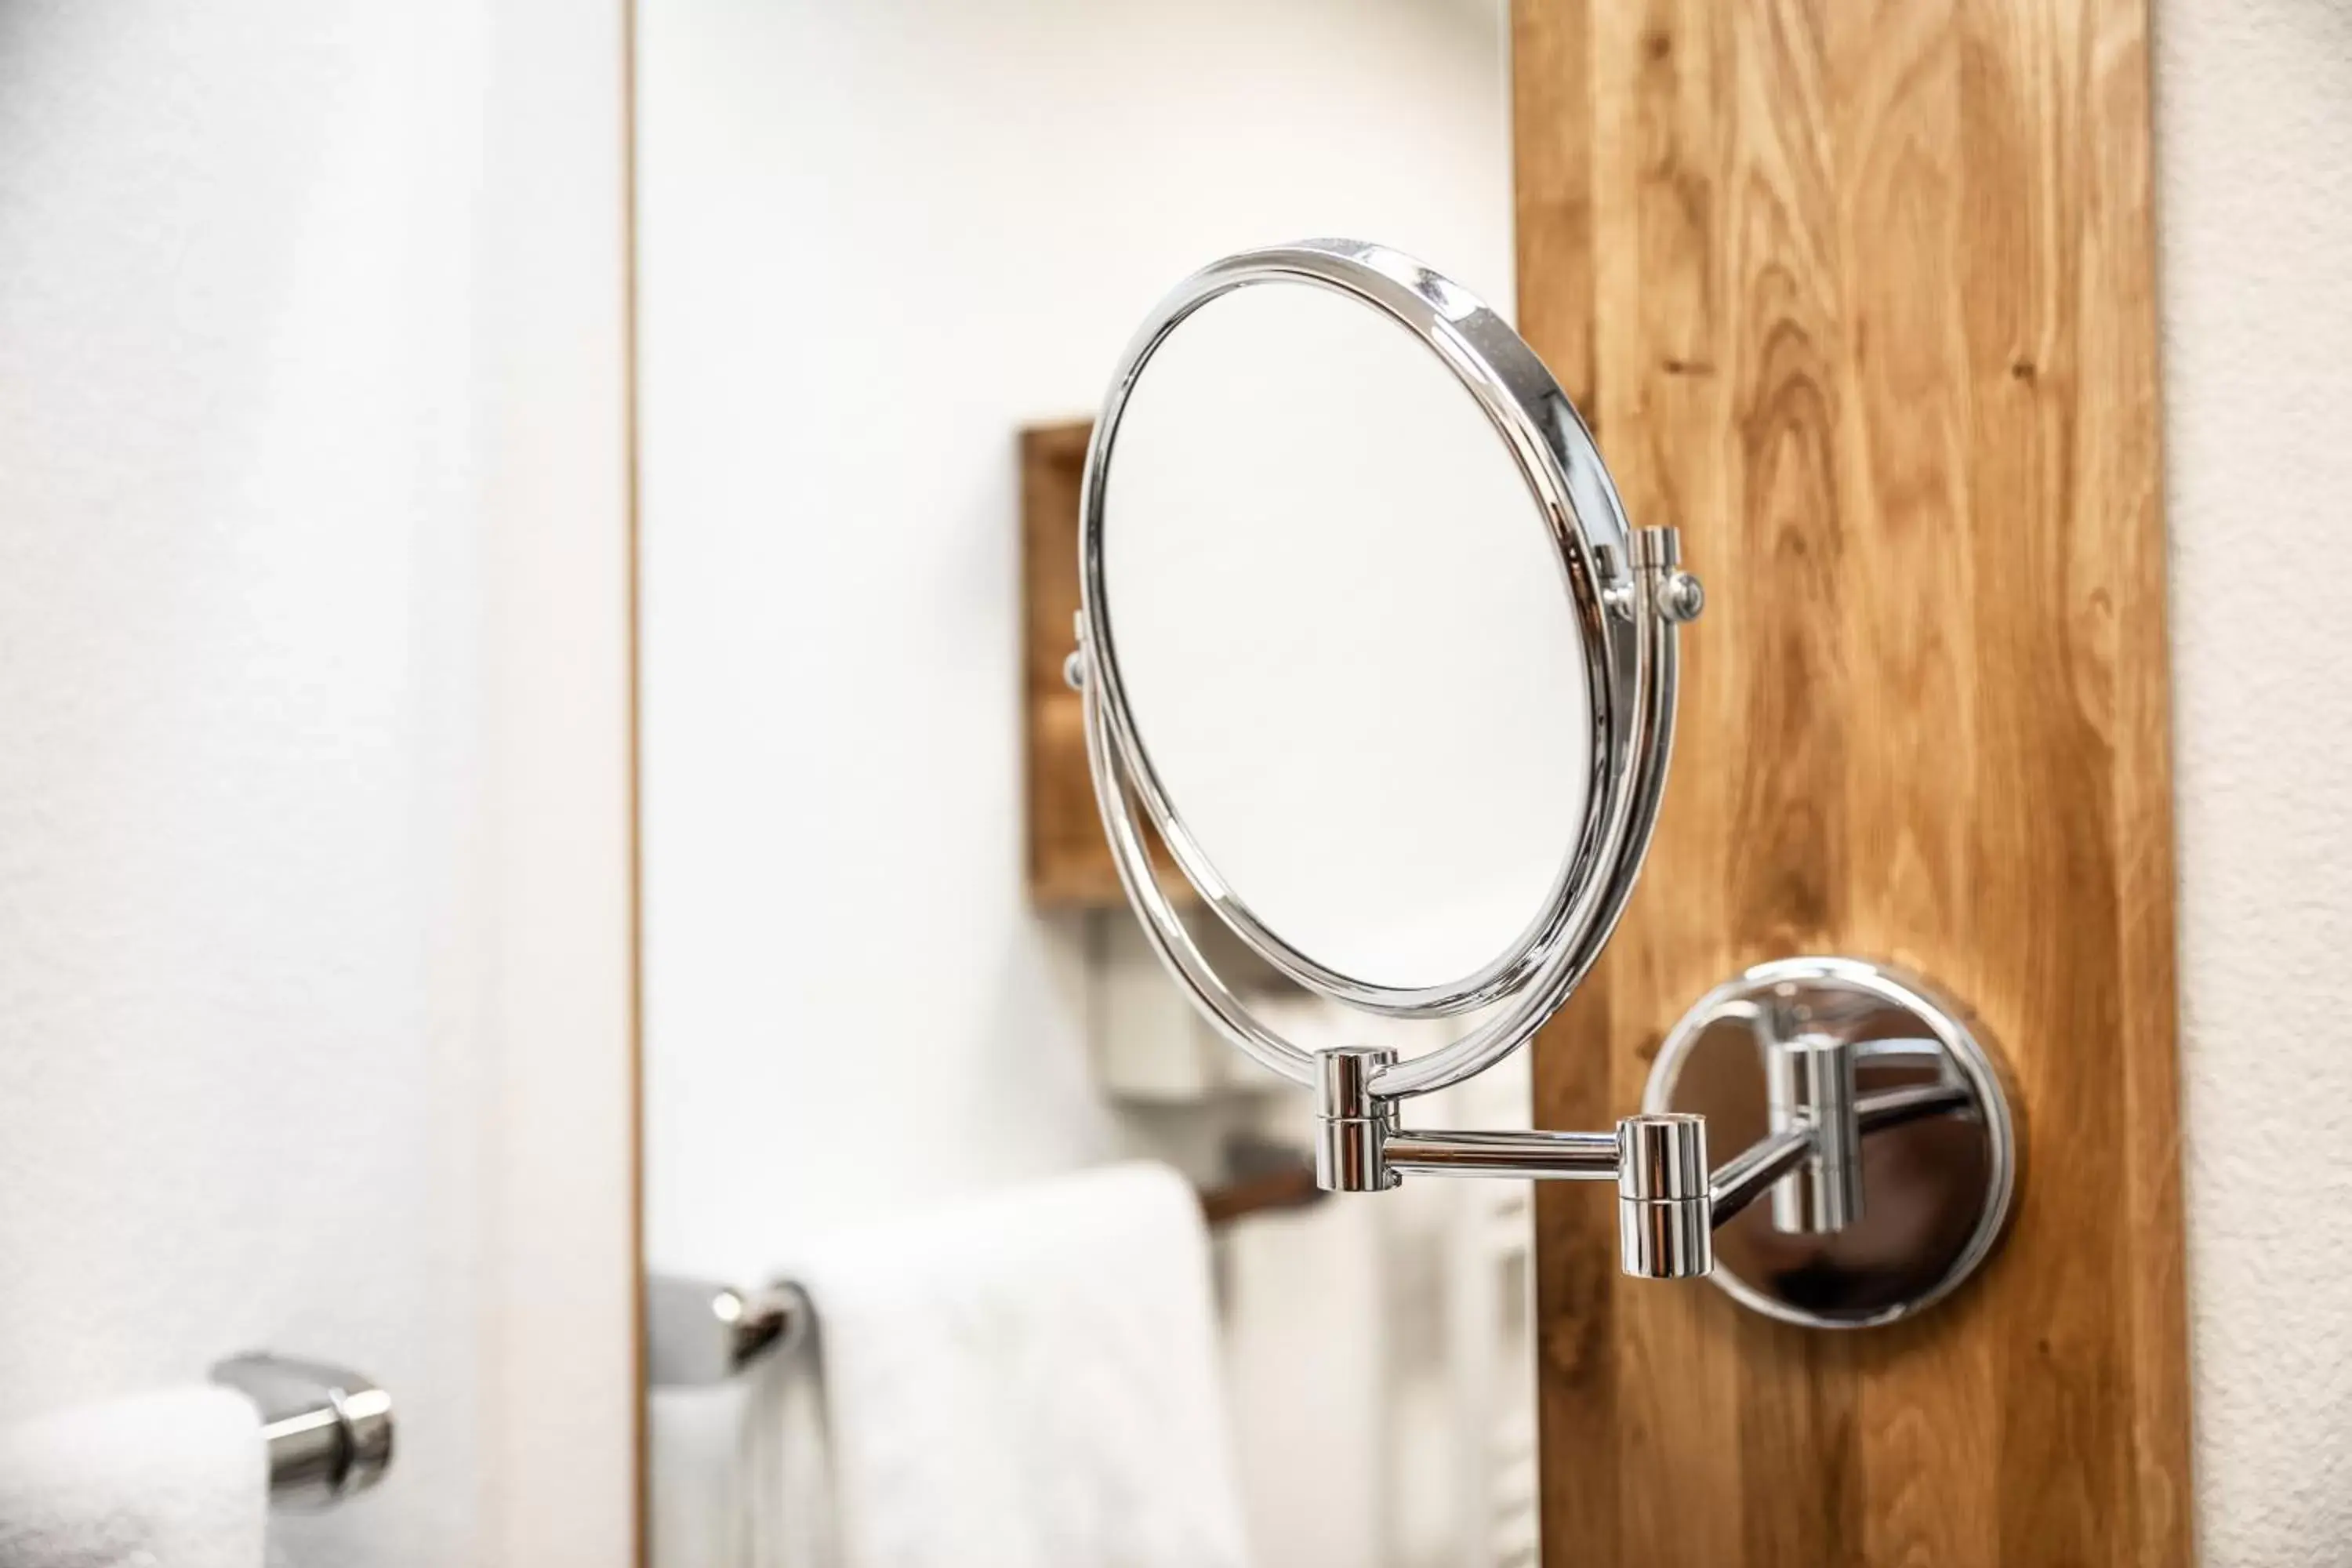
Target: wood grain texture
1860 296
1069 862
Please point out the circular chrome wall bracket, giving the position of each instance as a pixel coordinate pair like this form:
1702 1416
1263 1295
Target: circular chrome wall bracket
1912 1148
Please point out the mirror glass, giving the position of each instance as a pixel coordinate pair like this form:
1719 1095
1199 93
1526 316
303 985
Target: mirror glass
1345 637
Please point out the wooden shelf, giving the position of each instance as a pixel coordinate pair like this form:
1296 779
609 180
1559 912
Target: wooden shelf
1069 862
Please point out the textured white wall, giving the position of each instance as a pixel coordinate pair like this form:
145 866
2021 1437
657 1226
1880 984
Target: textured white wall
311 438
2254 149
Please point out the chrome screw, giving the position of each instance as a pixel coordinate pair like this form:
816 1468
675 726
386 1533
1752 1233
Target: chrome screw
1681 596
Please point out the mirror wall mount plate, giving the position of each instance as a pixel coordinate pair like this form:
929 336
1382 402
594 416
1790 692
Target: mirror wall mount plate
1254 492
1886 1157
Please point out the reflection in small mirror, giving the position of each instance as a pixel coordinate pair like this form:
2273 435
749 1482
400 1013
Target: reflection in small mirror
1343 628
904 1043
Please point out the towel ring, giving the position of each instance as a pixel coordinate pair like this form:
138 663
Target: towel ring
1628 596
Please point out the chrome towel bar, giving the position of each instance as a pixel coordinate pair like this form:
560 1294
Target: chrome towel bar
328 1429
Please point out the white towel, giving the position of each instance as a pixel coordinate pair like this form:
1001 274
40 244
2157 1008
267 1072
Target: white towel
1029 1380
175 1480
789 1512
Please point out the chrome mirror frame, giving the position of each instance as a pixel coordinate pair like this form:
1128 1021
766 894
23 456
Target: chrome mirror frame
1625 589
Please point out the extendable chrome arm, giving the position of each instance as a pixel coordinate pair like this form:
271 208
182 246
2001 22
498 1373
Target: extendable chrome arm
1668 1200
1750 1174
1659 1163
1811 1160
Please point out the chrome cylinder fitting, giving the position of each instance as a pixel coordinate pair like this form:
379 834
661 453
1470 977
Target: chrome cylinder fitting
1352 1126
1668 1240
1678 595
1810 1085
1659 549
1665 1227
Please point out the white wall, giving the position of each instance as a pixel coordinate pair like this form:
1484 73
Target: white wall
313 817
2254 149
874 241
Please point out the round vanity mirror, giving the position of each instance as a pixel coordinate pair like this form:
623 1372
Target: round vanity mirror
1346 638
1360 646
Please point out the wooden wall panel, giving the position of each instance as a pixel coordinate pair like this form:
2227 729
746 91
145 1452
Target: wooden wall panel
1860 296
